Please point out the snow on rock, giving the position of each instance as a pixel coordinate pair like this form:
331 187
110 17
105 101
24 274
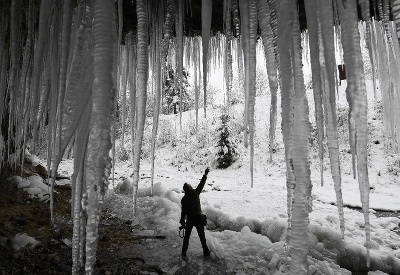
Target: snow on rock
33 185
124 186
21 240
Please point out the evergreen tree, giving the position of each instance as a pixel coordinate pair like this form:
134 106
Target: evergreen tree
227 153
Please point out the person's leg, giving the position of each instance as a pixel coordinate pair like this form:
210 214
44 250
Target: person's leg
188 231
200 231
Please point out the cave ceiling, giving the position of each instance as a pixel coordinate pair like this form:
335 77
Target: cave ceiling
192 17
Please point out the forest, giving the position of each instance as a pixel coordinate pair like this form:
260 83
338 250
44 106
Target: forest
100 80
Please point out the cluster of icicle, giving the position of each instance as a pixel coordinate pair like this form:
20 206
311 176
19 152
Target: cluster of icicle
59 75
71 65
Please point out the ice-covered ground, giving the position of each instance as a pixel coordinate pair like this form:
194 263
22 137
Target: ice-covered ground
247 225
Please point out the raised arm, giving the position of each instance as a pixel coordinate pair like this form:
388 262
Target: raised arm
200 187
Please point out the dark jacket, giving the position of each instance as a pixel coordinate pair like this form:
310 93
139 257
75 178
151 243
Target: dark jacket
191 201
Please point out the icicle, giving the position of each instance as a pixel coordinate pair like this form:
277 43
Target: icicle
4 56
179 57
365 9
383 75
125 72
142 75
132 89
253 25
284 42
395 68
46 7
228 51
328 69
356 92
269 53
77 180
13 88
248 12
196 56
274 27
78 89
117 80
24 77
52 126
301 165
245 39
65 50
312 25
98 161
206 15
158 81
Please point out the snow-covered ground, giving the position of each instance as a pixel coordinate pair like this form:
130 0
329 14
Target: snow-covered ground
247 226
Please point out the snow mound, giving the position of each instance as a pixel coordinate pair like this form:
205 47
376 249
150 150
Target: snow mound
33 185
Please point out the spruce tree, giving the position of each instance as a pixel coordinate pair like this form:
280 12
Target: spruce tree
227 153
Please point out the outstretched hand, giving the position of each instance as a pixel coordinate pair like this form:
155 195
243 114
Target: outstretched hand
207 171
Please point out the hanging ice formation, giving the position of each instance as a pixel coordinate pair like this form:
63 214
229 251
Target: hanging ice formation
206 15
179 56
228 52
157 22
357 99
264 18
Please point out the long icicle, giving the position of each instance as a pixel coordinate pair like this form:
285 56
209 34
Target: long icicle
142 76
24 78
206 16
4 56
328 68
132 89
46 7
77 180
312 26
98 160
248 13
78 94
65 50
196 58
228 52
179 58
245 41
356 92
52 126
125 72
13 88
264 19
301 165
284 27
158 87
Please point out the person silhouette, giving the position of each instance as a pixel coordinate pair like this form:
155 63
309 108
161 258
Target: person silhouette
191 210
